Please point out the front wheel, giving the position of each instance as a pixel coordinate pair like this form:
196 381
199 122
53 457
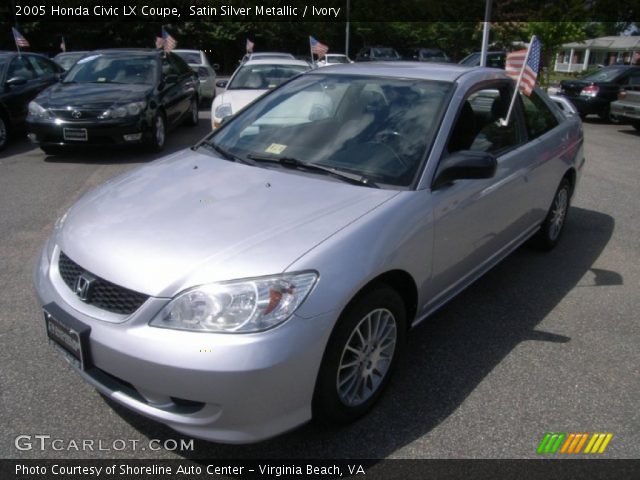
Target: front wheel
360 356
4 132
549 234
158 134
192 115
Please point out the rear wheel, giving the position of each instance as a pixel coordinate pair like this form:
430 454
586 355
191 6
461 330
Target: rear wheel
360 356
4 132
551 230
192 115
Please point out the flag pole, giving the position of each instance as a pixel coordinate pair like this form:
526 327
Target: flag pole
505 122
311 50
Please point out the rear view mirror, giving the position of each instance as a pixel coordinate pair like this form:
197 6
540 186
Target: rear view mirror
465 164
222 83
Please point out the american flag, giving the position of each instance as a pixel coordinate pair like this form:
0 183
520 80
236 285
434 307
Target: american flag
63 46
249 46
166 41
20 40
320 49
515 62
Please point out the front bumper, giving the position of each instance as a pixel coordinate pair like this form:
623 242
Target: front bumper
99 132
233 388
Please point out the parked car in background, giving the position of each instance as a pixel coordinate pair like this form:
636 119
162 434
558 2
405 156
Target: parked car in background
377 54
593 94
67 59
115 97
429 55
22 77
333 59
564 104
251 80
627 107
300 249
266 56
494 59
199 62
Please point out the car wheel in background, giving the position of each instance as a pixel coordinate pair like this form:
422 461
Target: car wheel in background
158 133
360 356
4 132
192 116
549 234
636 124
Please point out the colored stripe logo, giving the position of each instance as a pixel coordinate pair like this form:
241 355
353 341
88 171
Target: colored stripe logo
573 443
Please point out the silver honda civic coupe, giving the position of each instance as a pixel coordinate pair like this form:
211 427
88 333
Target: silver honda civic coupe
273 272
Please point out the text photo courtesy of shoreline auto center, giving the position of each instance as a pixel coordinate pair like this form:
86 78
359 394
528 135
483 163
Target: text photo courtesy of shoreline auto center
319 239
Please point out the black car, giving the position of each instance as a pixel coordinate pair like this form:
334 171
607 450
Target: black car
115 97
594 93
377 54
22 77
495 59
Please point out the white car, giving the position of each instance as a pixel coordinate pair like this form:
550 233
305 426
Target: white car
251 80
333 59
199 62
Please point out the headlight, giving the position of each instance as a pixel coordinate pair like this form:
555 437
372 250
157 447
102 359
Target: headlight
129 110
223 110
237 306
36 110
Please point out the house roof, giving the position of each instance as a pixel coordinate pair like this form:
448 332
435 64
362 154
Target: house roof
621 43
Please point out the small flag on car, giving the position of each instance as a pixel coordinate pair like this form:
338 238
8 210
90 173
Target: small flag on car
19 39
63 46
523 66
320 49
166 41
249 46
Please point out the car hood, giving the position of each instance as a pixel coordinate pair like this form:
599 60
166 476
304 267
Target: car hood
192 218
91 95
240 98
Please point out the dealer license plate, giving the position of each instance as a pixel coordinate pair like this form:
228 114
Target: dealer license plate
70 337
75 134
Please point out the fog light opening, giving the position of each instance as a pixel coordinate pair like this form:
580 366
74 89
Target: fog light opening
132 137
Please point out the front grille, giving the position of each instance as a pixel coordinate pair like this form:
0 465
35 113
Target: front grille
84 114
102 294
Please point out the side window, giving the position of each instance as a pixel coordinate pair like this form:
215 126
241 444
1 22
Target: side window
634 79
19 67
479 125
168 68
42 66
538 117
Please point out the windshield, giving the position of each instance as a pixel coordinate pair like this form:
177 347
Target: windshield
336 59
384 53
190 57
379 128
101 68
263 76
604 75
66 60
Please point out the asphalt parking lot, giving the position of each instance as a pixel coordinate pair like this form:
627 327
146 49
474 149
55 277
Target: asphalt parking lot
542 343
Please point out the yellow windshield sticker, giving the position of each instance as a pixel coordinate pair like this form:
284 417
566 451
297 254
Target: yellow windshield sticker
275 148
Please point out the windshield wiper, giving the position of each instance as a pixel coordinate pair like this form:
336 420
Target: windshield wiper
222 152
294 163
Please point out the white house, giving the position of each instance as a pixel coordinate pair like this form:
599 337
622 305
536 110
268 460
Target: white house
579 56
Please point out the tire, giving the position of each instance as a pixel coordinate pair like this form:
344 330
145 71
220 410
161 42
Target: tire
349 383
52 149
192 114
607 117
4 132
636 124
158 133
551 229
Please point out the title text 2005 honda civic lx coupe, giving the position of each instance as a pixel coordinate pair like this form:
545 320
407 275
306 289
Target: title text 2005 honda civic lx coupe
272 272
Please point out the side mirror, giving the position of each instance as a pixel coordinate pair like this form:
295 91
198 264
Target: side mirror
465 164
222 83
15 81
216 66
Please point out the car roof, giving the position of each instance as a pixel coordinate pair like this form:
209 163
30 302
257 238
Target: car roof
281 54
418 70
128 51
277 61
186 50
